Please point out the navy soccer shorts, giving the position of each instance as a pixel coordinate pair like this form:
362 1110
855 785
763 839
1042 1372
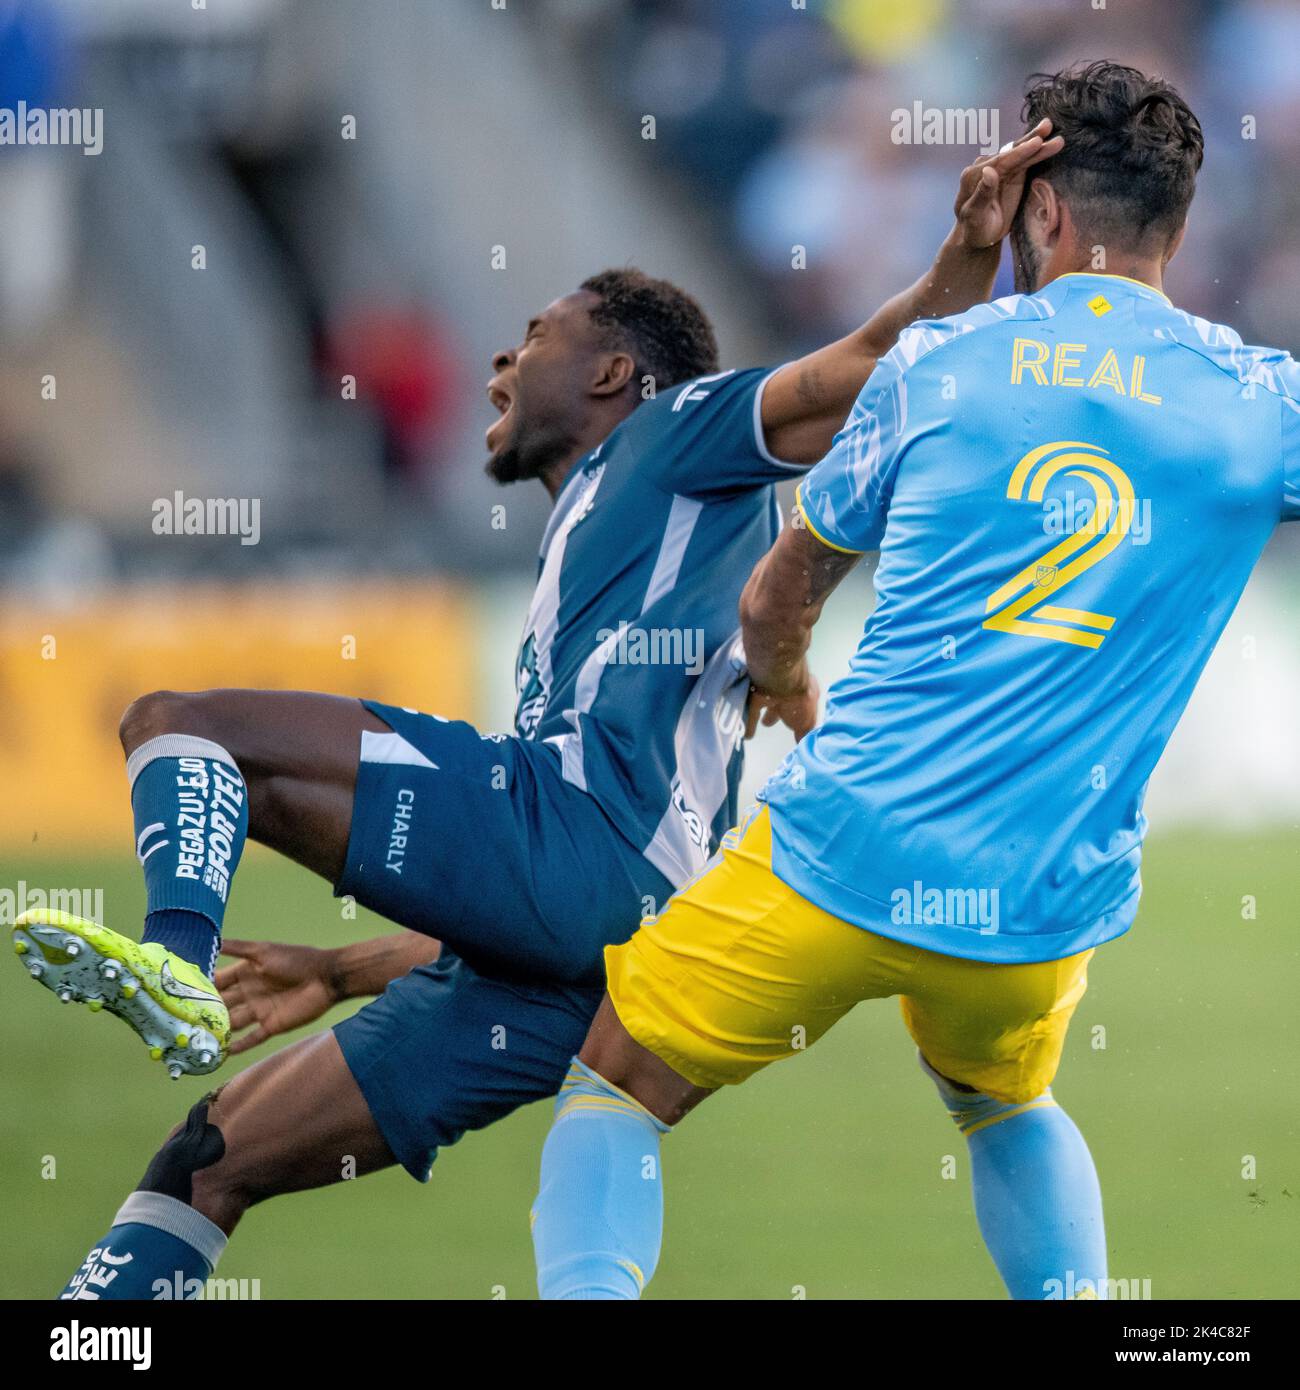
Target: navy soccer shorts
478 841
444 1050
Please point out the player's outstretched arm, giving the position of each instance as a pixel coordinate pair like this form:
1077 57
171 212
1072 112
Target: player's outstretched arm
779 608
806 402
273 988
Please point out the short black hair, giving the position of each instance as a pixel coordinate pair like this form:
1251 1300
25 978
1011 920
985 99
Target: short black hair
1132 150
663 327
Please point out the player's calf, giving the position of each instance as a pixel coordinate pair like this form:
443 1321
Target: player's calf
191 809
191 812
598 1218
1037 1198
294 1121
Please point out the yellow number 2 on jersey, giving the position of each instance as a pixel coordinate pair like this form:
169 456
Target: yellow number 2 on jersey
1020 605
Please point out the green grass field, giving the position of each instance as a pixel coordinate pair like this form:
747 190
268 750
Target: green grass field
823 1174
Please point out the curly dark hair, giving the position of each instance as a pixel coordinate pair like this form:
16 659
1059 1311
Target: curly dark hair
1132 150
664 329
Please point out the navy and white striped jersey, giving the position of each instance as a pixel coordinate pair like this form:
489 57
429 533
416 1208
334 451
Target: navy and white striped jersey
630 664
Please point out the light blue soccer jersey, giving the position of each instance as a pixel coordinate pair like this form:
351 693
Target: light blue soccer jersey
1068 491
630 664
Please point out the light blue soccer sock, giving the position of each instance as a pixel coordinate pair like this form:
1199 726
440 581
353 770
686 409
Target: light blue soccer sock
159 1247
598 1218
1037 1198
191 820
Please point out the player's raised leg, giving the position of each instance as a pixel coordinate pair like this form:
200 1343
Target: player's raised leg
205 771
289 1123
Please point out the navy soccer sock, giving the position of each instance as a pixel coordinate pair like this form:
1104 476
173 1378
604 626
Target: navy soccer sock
191 821
158 1247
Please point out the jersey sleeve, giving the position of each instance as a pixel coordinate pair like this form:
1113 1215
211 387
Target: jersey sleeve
844 499
705 437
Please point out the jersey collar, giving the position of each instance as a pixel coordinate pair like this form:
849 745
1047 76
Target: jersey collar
1102 275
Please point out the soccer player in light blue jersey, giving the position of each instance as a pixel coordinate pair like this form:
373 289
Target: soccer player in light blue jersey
964 827
515 857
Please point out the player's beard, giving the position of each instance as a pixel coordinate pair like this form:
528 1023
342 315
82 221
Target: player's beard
1026 259
530 452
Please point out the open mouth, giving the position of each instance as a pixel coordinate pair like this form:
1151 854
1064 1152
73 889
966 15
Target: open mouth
504 404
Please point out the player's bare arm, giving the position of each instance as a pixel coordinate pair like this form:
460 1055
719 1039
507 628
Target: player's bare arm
806 402
274 987
779 608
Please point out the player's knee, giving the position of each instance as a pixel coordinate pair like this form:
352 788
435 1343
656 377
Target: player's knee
149 716
944 1083
194 1166
193 1145
973 1109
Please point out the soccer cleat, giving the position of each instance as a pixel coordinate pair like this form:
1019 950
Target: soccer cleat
169 1002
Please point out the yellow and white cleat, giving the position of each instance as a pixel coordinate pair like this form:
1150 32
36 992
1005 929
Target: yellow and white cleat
170 1002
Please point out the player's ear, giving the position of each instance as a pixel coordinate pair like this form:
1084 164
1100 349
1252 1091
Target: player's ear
613 372
1043 211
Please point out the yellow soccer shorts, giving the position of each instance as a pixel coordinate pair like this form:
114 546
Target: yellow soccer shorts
740 970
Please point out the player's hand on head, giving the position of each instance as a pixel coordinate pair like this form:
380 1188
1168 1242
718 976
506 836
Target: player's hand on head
991 188
797 711
273 988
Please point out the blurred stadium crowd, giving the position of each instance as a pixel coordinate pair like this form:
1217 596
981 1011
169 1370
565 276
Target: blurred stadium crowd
783 128
327 257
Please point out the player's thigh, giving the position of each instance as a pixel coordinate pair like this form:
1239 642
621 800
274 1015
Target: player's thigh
445 1050
294 1121
997 1028
740 970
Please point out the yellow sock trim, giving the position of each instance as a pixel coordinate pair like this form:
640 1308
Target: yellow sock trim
1042 1103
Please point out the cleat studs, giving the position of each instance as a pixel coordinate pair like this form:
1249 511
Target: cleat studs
205 1059
174 1072
94 1005
65 995
128 991
72 949
182 1039
20 948
109 972
35 971
156 1053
